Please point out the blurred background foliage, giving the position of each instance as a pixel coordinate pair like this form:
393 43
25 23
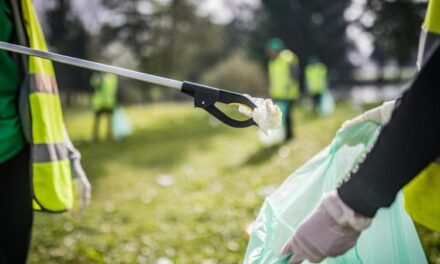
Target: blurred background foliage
357 39
175 151
238 72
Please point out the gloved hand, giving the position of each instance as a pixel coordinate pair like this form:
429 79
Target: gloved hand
267 115
82 185
380 115
83 188
330 230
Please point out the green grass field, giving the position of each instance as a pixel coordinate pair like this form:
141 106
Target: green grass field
181 188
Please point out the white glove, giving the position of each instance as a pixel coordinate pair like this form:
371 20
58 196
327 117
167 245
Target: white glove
83 188
266 114
380 115
330 230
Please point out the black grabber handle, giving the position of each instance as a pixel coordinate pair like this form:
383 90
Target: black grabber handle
205 97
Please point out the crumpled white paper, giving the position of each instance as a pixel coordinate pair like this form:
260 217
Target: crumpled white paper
266 114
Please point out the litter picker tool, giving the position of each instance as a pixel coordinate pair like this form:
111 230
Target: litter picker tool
205 97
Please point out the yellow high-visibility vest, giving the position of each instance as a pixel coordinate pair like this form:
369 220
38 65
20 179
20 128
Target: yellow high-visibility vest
432 20
422 194
422 197
282 84
105 86
316 78
430 33
42 119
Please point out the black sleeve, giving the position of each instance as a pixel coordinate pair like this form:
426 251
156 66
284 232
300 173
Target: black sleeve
406 145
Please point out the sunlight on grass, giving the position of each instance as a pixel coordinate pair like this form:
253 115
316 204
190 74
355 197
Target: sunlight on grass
182 187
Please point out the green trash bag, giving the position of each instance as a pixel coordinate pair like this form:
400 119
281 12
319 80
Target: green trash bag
121 124
326 104
391 238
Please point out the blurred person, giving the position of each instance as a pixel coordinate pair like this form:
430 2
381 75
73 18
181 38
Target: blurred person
283 73
405 150
316 81
105 87
36 155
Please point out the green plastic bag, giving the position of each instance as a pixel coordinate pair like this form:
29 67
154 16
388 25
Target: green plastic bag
391 238
326 104
121 124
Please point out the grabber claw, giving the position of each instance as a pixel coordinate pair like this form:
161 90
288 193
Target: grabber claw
205 97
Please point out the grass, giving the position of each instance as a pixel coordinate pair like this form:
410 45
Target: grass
182 188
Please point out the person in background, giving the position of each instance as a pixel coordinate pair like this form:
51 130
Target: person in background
407 145
37 159
316 81
283 73
104 100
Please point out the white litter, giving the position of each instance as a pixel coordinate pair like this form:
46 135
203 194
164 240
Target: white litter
266 114
163 260
165 180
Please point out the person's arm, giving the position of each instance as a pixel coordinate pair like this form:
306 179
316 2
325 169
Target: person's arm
406 145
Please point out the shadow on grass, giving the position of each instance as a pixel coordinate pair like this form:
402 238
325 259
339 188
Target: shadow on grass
262 155
161 147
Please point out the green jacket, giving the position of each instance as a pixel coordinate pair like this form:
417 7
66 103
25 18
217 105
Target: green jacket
11 136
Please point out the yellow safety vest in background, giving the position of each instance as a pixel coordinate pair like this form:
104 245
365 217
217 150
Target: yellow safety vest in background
42 120
105 86
316 78
282 84
422 194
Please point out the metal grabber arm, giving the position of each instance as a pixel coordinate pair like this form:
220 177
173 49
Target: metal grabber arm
205 97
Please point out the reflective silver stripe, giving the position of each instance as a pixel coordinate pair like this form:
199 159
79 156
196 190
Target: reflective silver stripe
49 152
42 83
427 41
45 83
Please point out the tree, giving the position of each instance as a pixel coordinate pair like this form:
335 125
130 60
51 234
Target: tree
248 79
396 29
166 38
67 35
309 28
